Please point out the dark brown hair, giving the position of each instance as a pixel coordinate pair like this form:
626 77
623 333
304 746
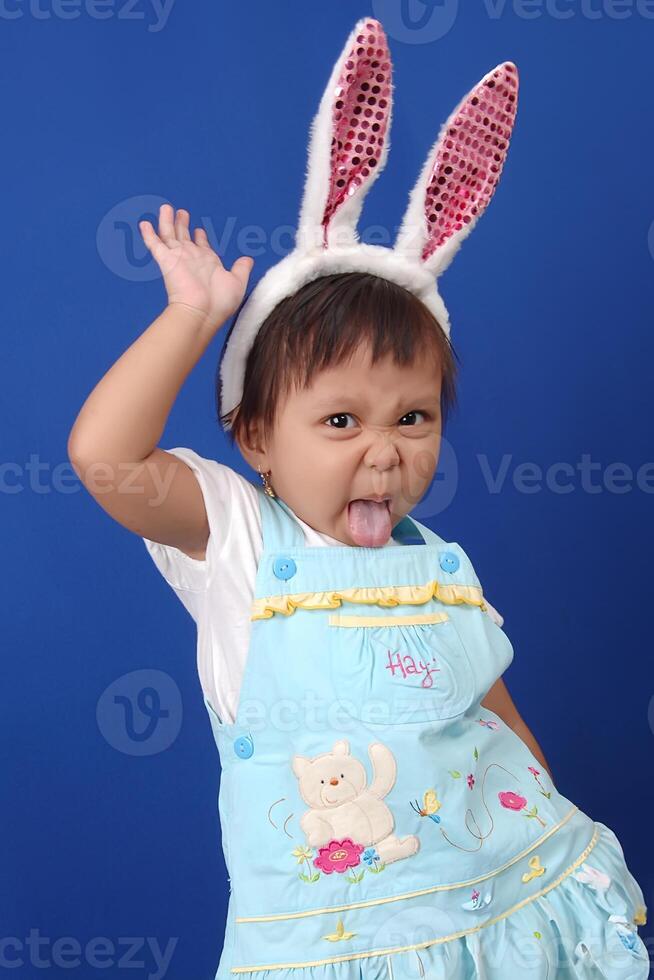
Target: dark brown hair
321 325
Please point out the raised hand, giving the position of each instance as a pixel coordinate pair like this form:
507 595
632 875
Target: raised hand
192 272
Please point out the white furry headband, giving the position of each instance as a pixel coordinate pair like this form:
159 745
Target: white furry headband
348 149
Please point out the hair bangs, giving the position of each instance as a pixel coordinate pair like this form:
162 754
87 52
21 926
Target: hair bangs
321 326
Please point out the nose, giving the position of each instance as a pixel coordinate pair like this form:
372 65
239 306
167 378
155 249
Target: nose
334 781
382 454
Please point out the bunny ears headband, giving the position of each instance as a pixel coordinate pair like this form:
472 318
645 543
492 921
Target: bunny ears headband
348 149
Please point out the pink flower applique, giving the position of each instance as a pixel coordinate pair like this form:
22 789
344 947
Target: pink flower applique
338 855
512 801
471 780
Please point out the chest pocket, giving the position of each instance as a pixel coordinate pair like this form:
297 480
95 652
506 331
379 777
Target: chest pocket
399 669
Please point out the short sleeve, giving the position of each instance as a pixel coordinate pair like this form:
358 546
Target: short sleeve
183 573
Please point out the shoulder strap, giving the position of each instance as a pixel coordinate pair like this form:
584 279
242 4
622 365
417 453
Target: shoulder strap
406 531
411 531
280 529
464 571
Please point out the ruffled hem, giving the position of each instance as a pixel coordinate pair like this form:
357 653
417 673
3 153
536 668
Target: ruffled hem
583 929
388 595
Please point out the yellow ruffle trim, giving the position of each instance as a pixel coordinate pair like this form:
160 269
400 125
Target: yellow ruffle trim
387 595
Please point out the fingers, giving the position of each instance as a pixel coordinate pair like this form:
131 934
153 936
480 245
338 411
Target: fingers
242 268
167 226
201 238
151 239
181 226
174 227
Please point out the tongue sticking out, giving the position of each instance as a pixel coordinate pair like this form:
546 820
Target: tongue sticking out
369 522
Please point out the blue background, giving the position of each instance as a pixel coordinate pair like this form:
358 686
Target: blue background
550 300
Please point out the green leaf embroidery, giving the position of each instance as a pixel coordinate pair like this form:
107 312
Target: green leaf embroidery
310 878
455 773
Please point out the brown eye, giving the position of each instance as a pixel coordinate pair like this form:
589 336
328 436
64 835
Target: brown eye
339 415
410 414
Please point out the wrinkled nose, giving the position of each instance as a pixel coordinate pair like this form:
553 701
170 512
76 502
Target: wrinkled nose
382 453
334 781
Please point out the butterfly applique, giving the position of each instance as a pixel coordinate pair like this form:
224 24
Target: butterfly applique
430 806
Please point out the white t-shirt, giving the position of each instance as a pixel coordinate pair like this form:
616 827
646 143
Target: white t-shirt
218 591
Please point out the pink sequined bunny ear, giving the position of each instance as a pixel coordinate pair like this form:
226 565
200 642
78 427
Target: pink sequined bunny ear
461 171
349 139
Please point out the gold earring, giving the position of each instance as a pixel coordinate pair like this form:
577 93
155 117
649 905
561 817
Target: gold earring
267 487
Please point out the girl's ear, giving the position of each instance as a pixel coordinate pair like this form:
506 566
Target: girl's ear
349 139
461 171
250 445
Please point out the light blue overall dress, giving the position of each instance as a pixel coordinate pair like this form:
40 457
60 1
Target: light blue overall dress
378 823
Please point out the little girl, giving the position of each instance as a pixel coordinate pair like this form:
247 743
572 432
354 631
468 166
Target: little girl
385 811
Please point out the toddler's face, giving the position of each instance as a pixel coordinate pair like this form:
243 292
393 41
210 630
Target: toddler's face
357 431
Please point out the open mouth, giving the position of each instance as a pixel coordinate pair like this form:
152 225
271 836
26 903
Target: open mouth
372 506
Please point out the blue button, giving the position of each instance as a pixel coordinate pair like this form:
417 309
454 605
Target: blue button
243 747
449 562
284 568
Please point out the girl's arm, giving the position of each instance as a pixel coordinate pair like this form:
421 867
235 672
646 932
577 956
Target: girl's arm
113 443
499 701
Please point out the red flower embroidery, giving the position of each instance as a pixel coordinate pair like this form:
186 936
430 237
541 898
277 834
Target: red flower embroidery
338 855
471 780
512 801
